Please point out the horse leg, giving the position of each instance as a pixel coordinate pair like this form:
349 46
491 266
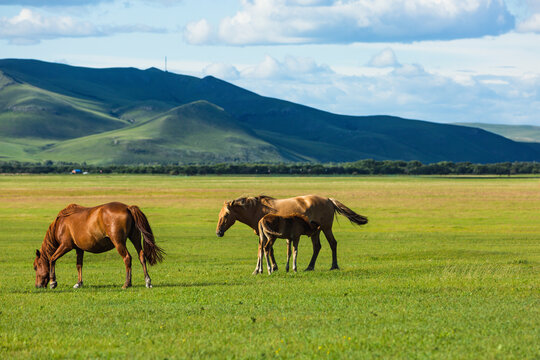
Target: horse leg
333 245
258 268
135 238
274 263
316 241
124 253
80 255
62 249
288 255
295 253
266 255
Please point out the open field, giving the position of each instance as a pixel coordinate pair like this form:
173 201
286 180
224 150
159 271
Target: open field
446 268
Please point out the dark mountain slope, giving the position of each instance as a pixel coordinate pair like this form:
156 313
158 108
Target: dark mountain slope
295 131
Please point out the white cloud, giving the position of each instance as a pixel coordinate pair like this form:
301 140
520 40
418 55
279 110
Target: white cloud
386 58
30 27
346 21
408 91
199 32
290 68
531 24
222 71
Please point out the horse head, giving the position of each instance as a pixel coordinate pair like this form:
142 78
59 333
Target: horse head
41 266
226 218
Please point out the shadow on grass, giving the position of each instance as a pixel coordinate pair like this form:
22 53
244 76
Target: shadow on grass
119 287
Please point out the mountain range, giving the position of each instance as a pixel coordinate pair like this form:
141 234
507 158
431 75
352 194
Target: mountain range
51 111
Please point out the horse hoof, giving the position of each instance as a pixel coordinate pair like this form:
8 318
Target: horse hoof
78 285
309 268
126 286
53 284
148 285
334 268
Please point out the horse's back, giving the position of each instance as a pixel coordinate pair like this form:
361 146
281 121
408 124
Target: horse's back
316 208
91 228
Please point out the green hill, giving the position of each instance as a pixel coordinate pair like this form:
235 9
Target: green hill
196 132
523 133
53 111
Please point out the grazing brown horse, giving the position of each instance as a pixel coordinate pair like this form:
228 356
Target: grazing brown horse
291 227
249 210
96 229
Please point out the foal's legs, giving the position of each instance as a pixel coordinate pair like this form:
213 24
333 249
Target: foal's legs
274 263
295 253
80 255
135 238
288 255
258 267
266 255
333 245
62 249
316 241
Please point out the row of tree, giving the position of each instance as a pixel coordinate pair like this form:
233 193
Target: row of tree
361 167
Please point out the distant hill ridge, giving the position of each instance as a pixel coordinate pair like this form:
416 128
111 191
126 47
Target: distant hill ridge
523 133
52 111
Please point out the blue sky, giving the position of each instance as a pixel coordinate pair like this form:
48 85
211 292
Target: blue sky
436 60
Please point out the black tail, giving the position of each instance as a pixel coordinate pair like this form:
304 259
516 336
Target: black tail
348 213
152 252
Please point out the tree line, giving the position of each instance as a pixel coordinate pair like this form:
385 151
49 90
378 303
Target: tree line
361 167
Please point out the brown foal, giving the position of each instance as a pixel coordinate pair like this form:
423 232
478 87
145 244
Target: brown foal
289 227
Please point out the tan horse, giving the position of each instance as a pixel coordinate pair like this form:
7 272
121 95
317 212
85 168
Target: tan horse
250 210
291 227
97 229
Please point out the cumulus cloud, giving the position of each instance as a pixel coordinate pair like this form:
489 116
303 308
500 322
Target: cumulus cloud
386 58
408 91
30 27
199 32
222 71
531 24
346 21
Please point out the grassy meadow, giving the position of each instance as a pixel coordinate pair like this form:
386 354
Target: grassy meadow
447 268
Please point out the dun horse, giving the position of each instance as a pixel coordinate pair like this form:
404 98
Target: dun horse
250 210
97 229
291 227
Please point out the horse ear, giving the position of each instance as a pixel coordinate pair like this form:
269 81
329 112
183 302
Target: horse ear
232 203
37 253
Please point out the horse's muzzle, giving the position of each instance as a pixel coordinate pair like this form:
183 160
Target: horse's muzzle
219 233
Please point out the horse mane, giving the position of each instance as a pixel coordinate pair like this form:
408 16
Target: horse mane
50 243
252 201
69 210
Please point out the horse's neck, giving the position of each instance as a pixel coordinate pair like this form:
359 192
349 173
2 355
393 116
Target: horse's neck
251 217
50 244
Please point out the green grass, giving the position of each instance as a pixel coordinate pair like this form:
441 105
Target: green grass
447 268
